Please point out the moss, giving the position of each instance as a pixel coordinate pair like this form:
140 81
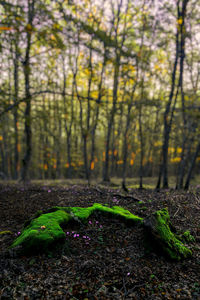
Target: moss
143 208
83 213
187 237
172 246
42 232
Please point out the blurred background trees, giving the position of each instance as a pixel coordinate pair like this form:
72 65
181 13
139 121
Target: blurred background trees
100 88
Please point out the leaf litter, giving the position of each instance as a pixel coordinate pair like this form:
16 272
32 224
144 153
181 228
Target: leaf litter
103 259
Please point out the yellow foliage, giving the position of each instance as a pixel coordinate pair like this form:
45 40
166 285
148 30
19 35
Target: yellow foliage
158 144
115 152
171 150
132 162
18 147
4 28
150 159
92 165
66 165
186 98
80 163
180 21
175 160
45 167
133 155
1 138
52 37
179 150
19 19
54 166
73 164
56 26
119 162
157 67
28 27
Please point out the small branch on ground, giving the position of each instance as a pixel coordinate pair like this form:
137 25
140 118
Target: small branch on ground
118 195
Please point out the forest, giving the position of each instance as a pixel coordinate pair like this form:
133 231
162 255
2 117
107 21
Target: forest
99 149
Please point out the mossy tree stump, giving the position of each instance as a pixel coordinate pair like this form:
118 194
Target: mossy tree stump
45 230
159 235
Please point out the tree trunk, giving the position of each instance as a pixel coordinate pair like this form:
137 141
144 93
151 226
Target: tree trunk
187 183
106 176
28 132
16 124
168 117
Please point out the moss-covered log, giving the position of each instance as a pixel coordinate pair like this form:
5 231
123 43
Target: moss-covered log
42 232
159 235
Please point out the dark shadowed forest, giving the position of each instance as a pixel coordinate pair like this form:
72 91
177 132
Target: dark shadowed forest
99 149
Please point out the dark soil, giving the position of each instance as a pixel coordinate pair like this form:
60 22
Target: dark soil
107 260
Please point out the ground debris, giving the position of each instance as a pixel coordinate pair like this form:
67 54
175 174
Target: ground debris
107 257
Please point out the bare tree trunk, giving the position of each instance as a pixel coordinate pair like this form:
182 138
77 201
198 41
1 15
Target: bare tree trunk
182 58
16 84
168 117
125 148
141 148
118 53
27 115
187 183
106 176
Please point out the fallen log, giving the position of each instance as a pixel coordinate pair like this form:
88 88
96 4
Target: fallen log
44 231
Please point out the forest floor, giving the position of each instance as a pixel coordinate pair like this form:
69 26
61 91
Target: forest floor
107 259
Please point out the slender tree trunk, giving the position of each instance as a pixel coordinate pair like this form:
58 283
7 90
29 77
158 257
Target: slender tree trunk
16 124
182 58
96 116
106 176
168 117
125 148
28 132
141 147
187 183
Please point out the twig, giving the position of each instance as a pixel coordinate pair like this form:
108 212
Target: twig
118 195
135 287
176 212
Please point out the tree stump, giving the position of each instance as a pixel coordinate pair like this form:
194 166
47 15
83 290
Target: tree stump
159 235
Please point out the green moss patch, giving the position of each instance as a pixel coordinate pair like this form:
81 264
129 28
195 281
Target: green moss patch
187 237
158 228
83 213
41 233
